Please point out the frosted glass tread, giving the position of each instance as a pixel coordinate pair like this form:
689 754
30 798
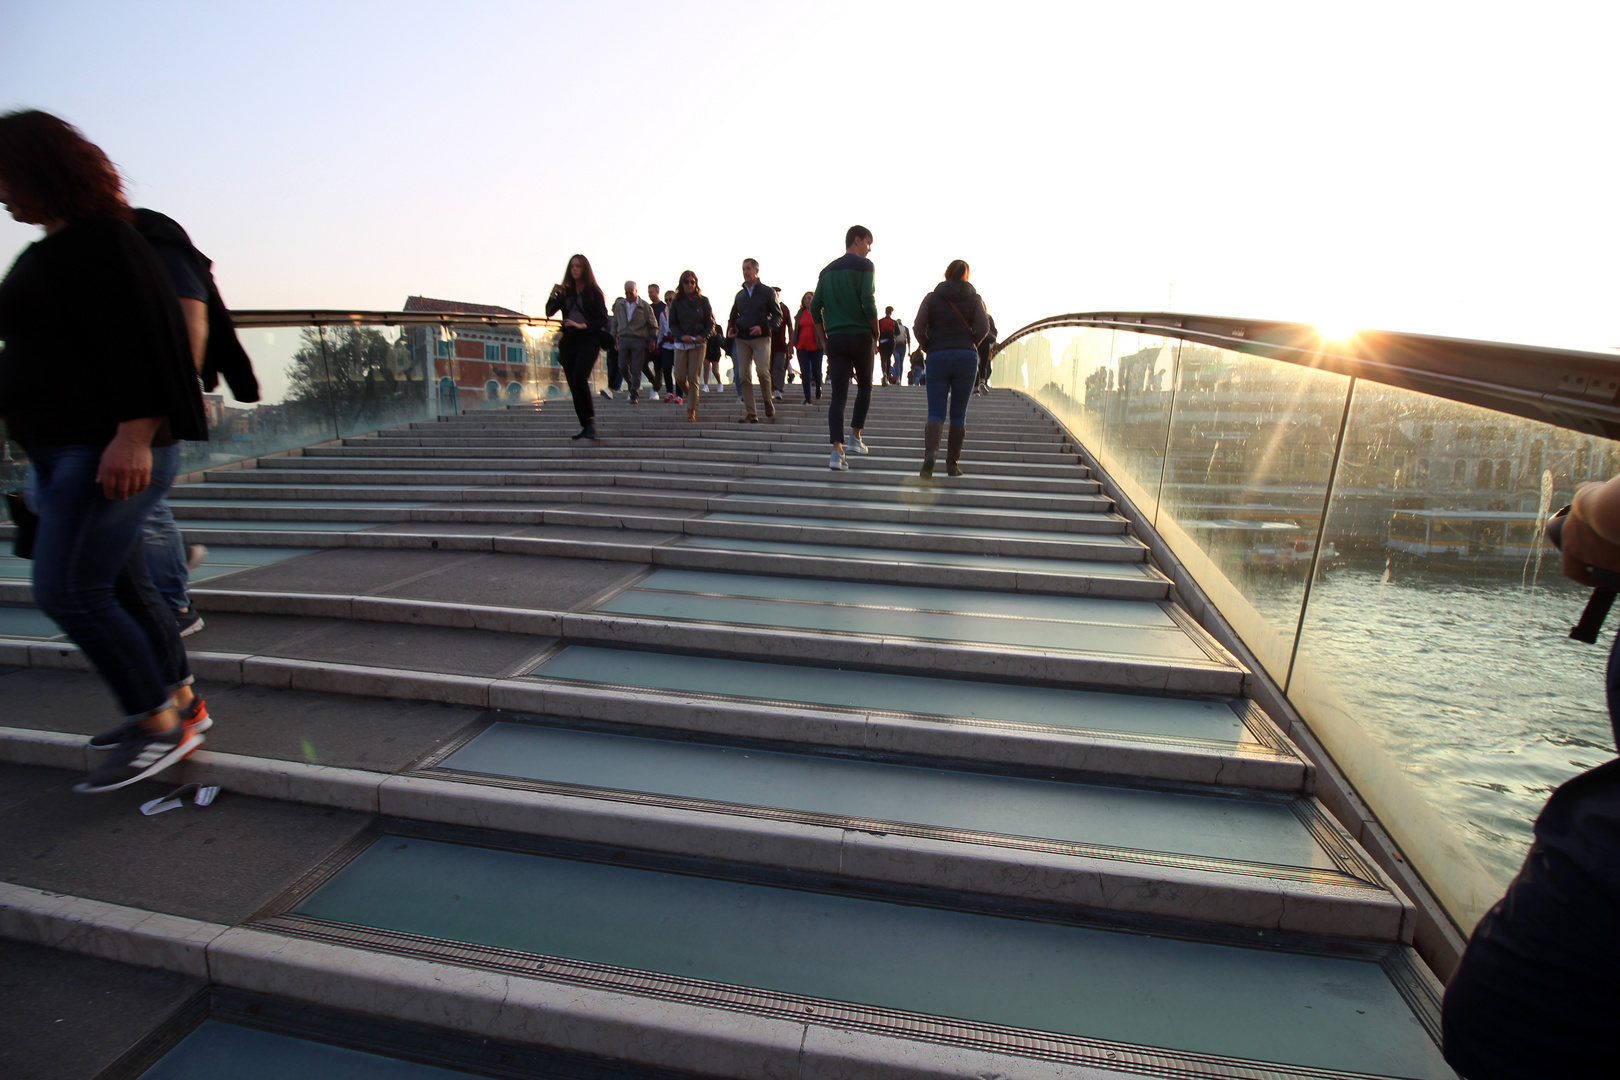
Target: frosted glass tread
27 622
1145 613
1148 643
1199 826
922 527
1301 1009
1084 710
216 1050
1034 564
924 503
228 525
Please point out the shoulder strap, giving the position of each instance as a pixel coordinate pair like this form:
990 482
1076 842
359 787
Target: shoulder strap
967 322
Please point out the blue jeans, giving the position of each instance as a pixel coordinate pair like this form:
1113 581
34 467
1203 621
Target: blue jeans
90 574
810 369
950 374
165 555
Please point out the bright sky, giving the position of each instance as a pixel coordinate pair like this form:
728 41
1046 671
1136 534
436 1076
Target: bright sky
1437 167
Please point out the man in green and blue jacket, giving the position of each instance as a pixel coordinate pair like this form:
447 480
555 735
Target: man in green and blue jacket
845 311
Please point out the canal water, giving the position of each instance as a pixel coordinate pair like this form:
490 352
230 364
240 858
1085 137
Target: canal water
1466 675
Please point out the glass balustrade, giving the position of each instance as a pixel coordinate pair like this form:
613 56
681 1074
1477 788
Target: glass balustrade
321 381
1379 551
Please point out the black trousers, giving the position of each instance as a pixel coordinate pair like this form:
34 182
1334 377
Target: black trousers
577 352
848 353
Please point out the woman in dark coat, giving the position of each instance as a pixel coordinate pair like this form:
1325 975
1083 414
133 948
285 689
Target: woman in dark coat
949 326
97 384
584 318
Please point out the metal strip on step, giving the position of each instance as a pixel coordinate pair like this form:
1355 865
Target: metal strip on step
1074 1050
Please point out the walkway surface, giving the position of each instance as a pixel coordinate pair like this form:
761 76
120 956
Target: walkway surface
678 753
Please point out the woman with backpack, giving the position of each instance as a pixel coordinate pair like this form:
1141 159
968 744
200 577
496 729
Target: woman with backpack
808 344
584 324
949 326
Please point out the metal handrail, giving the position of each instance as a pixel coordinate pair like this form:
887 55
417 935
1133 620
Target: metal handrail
330 317
1566 387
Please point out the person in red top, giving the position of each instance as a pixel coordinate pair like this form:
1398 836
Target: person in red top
808 343
886 342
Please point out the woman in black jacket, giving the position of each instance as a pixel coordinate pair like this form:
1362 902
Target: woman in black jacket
584 318
97 384
950 324
691 322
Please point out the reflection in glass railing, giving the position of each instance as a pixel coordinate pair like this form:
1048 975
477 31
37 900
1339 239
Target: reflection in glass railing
321 381
1379 552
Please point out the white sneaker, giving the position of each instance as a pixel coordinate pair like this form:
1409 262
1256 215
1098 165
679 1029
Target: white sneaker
606 393
838 462
854 445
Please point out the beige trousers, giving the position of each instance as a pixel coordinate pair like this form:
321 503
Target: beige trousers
750 355
689 373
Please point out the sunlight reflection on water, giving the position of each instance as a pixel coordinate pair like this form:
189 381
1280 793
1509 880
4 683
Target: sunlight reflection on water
1469 680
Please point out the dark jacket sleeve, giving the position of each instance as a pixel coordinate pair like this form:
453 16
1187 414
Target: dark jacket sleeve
595 305
554 304
919 325
731 320
224 354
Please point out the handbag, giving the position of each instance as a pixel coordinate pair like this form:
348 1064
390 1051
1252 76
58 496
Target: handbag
27 522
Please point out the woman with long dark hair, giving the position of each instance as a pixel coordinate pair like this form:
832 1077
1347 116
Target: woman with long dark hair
691 321
807 340
97 384
584 320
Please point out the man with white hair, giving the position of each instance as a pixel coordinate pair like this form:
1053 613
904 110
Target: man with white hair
633 324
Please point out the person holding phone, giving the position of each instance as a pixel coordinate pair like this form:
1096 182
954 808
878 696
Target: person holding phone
583 308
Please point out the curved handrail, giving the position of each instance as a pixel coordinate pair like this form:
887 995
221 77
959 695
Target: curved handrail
336 317
1566 387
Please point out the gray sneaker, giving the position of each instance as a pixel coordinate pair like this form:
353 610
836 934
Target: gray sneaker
838 462
142 753
854 445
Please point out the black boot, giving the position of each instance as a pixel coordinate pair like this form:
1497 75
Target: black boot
590 430
953 449
930 447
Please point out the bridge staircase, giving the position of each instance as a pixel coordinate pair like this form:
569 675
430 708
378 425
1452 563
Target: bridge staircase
680 754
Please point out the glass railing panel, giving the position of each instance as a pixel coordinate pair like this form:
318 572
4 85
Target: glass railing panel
293 410
1250 450
1434 661
376 376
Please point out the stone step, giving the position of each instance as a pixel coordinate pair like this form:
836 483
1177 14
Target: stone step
855 483
890 470
1261 863
195 514
221 486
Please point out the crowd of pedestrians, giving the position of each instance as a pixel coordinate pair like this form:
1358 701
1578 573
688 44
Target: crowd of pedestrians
677 342
121 297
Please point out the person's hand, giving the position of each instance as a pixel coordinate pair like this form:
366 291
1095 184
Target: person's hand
1580 546
754 331
574 325
126 467
556 290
